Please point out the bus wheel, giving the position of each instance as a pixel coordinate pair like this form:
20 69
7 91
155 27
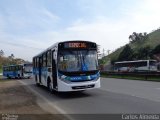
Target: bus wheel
49 85
7 76
37 84
18 76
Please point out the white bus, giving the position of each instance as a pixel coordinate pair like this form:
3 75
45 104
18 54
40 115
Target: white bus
68 66
27 70
136 66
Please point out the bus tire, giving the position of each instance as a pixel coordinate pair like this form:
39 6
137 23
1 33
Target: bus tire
36 78
18 76
7 76
37 84
49 85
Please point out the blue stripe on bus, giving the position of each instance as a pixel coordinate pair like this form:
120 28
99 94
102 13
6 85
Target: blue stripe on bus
80 78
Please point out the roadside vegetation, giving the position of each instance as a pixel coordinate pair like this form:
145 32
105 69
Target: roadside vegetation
4 80
9 60
129 77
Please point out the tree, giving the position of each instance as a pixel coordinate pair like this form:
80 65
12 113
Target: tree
144 53
138 37
156 50
12 56
1 53
126 54
132 37
11 59
113 60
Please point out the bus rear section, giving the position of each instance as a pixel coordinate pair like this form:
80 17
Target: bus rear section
74 67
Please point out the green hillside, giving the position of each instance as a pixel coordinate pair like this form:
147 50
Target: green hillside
152 40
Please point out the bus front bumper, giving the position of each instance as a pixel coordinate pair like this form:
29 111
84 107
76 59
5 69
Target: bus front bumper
77 86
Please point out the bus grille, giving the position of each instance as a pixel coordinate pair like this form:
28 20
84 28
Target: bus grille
83 87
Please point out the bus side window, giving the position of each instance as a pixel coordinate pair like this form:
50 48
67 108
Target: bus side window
36 62
44 60
7 69
49 59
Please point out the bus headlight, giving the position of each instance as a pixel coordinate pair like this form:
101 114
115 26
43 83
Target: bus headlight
64 78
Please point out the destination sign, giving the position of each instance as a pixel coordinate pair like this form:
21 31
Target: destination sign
75 45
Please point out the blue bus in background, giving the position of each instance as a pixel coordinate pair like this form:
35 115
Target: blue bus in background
13 71
18 71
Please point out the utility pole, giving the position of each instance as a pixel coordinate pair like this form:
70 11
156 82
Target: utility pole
99 53
108 51
104 52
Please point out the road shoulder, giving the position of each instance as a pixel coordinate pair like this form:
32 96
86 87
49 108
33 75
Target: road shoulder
17 99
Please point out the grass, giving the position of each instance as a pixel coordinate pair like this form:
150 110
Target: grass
0 72
3 80
142 78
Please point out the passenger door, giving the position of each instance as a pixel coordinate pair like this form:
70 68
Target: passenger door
40 68
54 71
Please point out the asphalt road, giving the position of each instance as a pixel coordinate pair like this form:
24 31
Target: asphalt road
116 96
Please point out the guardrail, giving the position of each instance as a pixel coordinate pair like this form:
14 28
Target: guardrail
145 75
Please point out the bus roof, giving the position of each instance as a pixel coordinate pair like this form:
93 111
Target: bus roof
18 64
134 61
56 45
12 65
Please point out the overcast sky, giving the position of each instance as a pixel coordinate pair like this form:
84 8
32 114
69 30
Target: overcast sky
29 26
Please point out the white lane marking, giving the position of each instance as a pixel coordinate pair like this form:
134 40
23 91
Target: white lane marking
48 102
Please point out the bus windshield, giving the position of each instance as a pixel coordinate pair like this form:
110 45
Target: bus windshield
28 68
77 60
152 63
